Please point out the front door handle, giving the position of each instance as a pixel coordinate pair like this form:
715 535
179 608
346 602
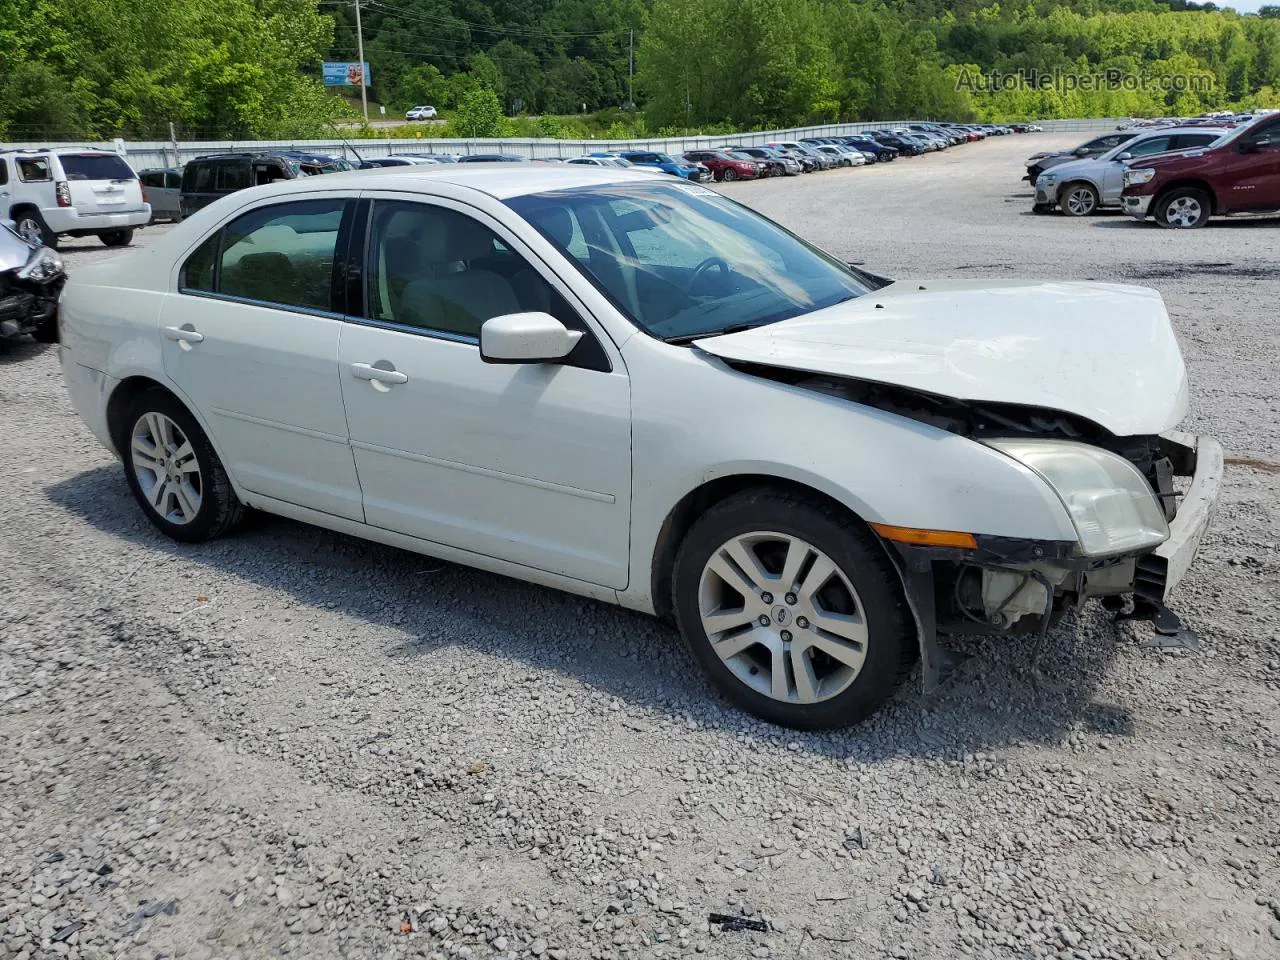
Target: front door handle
380 372
186 335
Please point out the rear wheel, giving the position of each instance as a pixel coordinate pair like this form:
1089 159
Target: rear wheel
32 228
792 609
116 238
173 471
1183 209
1079 200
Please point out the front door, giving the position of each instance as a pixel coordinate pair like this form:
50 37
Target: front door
529 463
251 338
1250 175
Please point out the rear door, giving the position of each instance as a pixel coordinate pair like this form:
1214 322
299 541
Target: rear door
100 183
251 339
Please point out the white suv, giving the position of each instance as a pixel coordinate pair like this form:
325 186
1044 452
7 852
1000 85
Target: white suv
421 113
78 193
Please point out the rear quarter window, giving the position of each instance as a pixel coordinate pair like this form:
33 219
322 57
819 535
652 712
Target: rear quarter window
33 169
95 166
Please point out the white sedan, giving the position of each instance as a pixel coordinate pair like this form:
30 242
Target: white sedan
635 389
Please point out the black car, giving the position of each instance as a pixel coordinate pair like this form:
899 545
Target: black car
905 146
775 166
205 179
883 151
492 158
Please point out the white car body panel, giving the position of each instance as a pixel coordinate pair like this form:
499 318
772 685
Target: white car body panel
566 476
998 341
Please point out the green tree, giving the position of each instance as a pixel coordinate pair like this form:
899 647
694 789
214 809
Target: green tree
479 114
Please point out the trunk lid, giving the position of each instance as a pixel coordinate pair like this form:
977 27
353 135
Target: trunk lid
1105 352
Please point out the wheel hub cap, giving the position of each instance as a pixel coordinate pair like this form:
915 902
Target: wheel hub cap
166 468
807 649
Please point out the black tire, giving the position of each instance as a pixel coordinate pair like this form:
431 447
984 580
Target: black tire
1171 209
116 238
219 510
729 175
28 222
1042 208
891 647
47 331
1079 199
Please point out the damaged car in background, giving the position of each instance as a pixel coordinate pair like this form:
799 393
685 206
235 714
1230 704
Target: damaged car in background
31 277
654 396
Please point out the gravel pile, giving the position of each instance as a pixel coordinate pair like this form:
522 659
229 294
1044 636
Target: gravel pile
291 743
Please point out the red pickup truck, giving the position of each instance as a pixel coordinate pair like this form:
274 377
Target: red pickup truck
1240 174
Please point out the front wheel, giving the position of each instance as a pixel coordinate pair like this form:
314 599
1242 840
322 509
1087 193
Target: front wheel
729 175
1183 209
173 471
116 238
1079 200
793 610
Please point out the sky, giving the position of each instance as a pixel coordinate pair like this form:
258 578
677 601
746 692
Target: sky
1246 6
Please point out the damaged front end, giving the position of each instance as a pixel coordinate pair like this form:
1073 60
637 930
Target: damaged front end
31 279
1140 505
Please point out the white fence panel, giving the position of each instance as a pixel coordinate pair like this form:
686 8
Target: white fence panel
142 155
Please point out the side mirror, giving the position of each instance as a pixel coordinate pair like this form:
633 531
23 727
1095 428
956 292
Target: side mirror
1081 151
526 338
1121 157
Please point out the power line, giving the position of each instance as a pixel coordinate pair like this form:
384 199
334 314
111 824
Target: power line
510 31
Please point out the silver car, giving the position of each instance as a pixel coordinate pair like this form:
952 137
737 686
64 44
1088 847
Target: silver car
1082 187
162 187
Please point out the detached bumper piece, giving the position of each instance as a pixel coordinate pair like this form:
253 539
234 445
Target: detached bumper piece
1003 585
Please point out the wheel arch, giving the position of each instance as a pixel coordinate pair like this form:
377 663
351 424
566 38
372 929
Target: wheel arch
1194 182
130 387
697 501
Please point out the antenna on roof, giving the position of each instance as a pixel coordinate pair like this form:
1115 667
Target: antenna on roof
345 141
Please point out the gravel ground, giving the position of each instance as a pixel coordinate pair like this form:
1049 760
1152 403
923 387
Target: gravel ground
290 742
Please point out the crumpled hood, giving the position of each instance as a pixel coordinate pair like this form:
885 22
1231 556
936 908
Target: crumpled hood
1101 351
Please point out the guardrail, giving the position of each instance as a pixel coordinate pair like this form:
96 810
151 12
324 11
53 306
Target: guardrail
142 155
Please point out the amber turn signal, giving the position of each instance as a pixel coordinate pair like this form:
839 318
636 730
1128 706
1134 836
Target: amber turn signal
926 538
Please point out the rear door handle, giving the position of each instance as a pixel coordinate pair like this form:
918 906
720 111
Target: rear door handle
185 335
380 372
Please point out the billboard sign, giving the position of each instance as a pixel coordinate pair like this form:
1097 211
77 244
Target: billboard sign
346 74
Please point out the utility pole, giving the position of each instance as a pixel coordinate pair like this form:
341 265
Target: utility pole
631 74
364 99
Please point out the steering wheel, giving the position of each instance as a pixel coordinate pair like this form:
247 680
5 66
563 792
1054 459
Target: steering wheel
705 267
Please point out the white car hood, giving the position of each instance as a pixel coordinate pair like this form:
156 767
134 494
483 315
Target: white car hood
1101 351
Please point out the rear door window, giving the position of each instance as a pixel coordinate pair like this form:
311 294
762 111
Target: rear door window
198 178
1148 147
95 166
283 254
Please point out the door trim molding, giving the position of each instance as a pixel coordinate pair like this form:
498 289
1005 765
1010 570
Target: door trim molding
487 472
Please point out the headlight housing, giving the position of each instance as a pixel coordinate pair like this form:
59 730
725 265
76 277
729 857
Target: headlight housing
1109 501
43 265
1133 177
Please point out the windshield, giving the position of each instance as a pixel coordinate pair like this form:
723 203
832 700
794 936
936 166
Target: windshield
663 158
681 261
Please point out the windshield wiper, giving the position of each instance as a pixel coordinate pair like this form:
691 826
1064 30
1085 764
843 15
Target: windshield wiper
732 328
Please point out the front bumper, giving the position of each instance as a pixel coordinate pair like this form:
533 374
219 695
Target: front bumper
1136 206
1160 571
1046 193
1008 585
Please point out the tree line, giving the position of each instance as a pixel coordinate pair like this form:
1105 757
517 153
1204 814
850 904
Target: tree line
251 68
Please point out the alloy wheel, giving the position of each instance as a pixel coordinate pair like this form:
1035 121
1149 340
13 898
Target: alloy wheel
1081 201
783 617
1183 212
30 231
166 467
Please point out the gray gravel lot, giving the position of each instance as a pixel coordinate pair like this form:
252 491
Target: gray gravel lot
290 742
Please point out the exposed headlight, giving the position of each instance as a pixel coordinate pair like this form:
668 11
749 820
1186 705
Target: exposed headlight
1046 177
44 264
1140 175
1110 502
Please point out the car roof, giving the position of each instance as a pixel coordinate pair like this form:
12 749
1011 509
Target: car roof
499 180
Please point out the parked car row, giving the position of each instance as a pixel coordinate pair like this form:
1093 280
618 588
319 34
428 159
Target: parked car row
1179 176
